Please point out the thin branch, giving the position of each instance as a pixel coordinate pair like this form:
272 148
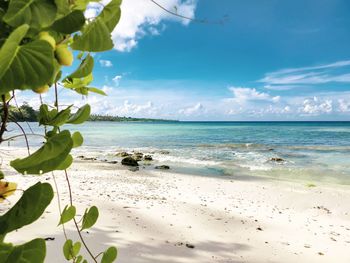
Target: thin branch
202 21
21 135
75 221
24 134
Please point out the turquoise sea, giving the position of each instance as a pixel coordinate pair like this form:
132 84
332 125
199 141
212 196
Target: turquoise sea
311 151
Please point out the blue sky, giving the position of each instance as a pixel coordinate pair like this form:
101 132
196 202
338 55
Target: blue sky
269 60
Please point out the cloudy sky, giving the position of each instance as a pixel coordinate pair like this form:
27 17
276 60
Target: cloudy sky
252 60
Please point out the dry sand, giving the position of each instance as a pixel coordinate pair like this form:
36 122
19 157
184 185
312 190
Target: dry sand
157 216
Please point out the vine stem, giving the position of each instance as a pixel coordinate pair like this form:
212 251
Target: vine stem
75 221
59 204
71 195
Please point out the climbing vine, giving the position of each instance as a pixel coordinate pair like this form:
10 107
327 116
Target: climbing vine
37 38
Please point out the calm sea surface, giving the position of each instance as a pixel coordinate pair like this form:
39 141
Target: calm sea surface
311 151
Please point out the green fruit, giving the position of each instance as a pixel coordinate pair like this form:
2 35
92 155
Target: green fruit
46 37
63 55
41 89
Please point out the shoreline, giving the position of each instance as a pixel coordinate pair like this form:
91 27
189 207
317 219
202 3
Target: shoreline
157 216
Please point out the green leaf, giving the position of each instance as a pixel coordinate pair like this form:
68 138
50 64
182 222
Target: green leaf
32 251
29 208
70 23
67 249
90 217
53 118
36 13
68 214
62 8
80 4
2 175
48 157
25 66
96 90
79 259
109 255
95 37
81 115
77 139
85 68
111 14
70 250
66 163
10 48
76 248
78 82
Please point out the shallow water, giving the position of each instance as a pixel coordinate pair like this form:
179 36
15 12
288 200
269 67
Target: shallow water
312 151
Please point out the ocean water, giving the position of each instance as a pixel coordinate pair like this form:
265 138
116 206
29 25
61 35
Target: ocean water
311 151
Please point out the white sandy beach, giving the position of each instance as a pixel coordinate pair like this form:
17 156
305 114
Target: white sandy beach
157 216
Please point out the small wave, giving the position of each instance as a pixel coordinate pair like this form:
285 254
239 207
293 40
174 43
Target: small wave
176 159
235 146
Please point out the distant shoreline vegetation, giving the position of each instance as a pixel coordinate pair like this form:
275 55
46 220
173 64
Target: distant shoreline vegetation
26 113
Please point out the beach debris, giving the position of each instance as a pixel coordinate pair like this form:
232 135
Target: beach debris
123 154
113 162
311 185
162 167
320 253
89 158
49 239
259 228
323 208
129 161
164 152
148 158
277 159
190 245
137 156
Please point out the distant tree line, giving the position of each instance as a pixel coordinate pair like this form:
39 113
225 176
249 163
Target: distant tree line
26 113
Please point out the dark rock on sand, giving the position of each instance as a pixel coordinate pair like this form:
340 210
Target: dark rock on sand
129 161
137 156
148 158
277 159
164 152
162 167
189 245
113 162
123 154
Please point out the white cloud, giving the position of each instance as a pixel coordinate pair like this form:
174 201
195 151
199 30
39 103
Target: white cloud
196 109
142 17
242 95
106 63
117 79
294 77
344 105
315 106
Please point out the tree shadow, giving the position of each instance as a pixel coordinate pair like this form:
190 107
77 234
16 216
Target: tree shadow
146 251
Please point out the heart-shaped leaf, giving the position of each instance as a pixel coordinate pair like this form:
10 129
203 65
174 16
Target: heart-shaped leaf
36 13
81 115
68 214
90 217
25 66
48 157
109 255
29 208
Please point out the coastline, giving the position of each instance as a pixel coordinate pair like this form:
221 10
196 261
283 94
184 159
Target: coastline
157 216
